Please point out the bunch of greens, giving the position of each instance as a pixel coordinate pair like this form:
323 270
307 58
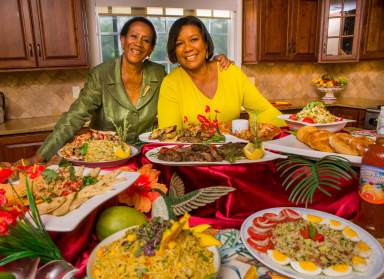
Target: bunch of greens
26 237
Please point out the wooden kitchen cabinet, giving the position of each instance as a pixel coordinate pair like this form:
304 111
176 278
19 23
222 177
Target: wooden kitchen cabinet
42 34
15 147
372 44
350 113
340 30
280 30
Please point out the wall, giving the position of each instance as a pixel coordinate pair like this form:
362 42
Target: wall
293 80
39 93
46 93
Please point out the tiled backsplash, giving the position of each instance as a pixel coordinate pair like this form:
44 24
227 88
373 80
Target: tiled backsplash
293 80
47 93
39 93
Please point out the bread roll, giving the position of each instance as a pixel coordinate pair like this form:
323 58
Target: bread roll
304 131
361 144
319 140
341 143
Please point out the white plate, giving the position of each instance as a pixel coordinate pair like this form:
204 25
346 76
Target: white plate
69 221
290 144
332 127
376 263
152 156
117 235
102 164
228 138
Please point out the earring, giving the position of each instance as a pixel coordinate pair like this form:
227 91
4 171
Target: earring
206 55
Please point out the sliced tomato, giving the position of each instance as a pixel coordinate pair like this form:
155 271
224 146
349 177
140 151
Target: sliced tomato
319 237
277 218
261 248
307 120
260 230
263 222
290 213
293 117
258 236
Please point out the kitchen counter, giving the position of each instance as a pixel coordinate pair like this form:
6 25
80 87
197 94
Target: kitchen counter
357 103
28 125
44 124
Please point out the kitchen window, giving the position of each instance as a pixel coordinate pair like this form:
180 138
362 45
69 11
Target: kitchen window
112 19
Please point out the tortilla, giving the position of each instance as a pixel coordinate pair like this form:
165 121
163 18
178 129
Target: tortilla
64 208
47 207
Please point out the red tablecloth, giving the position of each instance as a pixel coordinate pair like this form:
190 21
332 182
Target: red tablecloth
258 186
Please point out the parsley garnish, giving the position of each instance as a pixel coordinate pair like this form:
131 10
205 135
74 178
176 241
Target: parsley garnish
89 180
49 175
72 174
84 149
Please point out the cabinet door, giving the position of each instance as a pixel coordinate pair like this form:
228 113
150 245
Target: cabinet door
273 30
249 31
16 47
372 46
340 35
305 19
15 147
60 32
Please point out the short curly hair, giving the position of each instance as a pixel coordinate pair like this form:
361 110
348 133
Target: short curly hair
175 31
127 25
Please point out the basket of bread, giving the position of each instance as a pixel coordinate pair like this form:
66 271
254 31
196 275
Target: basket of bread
326 141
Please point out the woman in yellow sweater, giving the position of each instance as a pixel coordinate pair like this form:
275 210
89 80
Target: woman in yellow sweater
197 82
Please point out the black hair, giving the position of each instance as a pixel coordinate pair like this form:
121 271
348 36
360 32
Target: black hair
175 31
127 25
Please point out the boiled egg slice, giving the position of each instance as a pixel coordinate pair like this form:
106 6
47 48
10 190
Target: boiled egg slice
315 219
362 249
336 225
338 270
306 267
351 234
359 264
278 257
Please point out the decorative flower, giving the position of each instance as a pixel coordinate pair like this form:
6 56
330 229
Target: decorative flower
141 194
185 120
207 109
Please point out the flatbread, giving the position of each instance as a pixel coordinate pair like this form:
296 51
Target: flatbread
64 208
47 207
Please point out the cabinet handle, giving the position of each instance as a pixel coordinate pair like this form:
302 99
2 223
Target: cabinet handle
324 47
289 47
39 50
30 49
293 50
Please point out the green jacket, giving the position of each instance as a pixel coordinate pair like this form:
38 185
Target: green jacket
103 100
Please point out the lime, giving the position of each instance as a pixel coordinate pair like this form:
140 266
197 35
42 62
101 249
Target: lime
252 152
117 218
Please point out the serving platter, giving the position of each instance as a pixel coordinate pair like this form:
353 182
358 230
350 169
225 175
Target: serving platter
291 145
375 265
228 138
152 156
332 127
69 221
120 234
103 164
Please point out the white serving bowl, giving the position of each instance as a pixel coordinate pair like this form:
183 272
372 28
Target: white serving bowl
120 234
332 127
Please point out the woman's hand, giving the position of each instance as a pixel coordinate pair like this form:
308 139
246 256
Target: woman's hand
224 61
35 159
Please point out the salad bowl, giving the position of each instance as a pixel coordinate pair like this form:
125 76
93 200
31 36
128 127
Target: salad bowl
331 127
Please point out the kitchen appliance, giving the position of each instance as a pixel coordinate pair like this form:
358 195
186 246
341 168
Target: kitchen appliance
371 115
2 107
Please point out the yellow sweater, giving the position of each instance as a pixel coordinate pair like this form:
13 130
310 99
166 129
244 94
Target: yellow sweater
180 97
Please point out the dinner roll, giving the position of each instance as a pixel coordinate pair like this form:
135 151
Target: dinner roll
319 140
304 131
341 143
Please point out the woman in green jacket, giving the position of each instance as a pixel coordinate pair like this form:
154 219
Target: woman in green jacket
124 88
